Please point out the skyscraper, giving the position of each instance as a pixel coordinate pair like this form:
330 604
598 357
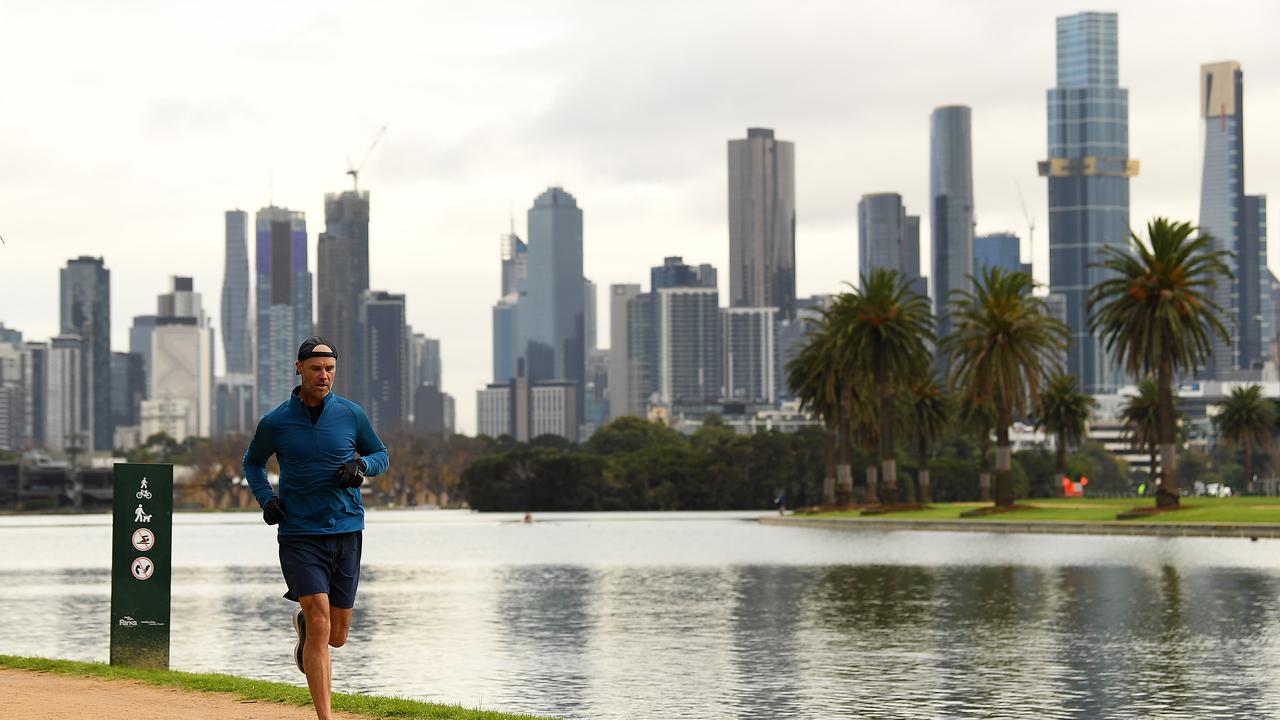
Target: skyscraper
382 315
236 344
425 367
182 351
550 318
951 205
1235 221
589 315
64 395
283 301
889 238
997 250
515 262
342 268
127 391
689 359
86 312
621 360
762 222
749 354
514 254
1088 171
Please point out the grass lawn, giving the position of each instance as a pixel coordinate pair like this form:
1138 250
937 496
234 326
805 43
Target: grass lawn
370 705
1195 510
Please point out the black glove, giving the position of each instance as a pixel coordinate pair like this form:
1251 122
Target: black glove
351 474
273 512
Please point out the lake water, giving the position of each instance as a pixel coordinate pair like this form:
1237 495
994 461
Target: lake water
692 615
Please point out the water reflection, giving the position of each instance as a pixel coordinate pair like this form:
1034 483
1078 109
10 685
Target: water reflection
549 620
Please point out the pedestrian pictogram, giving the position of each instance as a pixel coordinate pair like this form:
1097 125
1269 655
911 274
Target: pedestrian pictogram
142 568
143 539
141 564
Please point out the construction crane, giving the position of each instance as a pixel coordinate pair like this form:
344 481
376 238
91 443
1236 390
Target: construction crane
1031 222
354 171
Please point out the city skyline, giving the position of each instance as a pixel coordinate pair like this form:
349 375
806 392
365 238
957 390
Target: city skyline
443 192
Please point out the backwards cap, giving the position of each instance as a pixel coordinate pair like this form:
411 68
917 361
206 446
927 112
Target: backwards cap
308 349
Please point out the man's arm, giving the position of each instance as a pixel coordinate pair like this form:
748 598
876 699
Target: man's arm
261 448
369 445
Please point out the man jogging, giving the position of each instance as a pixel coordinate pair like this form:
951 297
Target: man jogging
316 436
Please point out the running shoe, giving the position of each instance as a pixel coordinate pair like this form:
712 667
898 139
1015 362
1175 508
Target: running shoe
300 627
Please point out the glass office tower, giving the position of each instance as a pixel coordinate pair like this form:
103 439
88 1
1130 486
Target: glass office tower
1088 171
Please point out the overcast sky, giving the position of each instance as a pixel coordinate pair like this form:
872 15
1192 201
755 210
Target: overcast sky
127 128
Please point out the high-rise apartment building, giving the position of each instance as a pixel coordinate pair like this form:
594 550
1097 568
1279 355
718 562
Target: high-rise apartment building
64 395
621 360
689 359
140 343
550 316
128 388
342 277
1088 171
382 315
950 205
283 301
589 315
86 312
182 358
425 366
750 361
762 222
236 344
889 238
233 405
1237 223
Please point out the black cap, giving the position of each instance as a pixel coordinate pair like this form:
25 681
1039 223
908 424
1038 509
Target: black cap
308 349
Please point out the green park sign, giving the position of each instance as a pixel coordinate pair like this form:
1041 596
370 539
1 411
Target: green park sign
141 567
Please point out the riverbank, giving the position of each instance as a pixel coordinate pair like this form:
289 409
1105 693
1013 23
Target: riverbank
40 688
1251 517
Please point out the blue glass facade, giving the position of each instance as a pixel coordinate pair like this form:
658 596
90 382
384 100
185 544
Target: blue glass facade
283 295
951 204
551 312
1088 171
1235 221
996 250
889 238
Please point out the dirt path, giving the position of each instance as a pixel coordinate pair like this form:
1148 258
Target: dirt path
28 695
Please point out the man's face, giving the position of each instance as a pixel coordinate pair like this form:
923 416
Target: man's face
317 373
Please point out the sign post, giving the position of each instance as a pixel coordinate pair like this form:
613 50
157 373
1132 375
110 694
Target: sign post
141 554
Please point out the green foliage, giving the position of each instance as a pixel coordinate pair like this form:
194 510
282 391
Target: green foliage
1156 302
1108 475
632 464
1002 348
1155 312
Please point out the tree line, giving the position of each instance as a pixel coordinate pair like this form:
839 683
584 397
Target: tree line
866 368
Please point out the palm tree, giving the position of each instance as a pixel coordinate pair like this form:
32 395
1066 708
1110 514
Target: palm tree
1156 315
931 416
1064 411
813 379
1141 416
882 333
1244 421
976 417
1002 347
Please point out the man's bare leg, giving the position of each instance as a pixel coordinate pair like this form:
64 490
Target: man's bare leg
339 626
315 653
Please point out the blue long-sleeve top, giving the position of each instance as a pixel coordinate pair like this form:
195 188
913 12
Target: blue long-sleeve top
309 457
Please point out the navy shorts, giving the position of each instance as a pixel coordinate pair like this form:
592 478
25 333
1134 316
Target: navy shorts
322 564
